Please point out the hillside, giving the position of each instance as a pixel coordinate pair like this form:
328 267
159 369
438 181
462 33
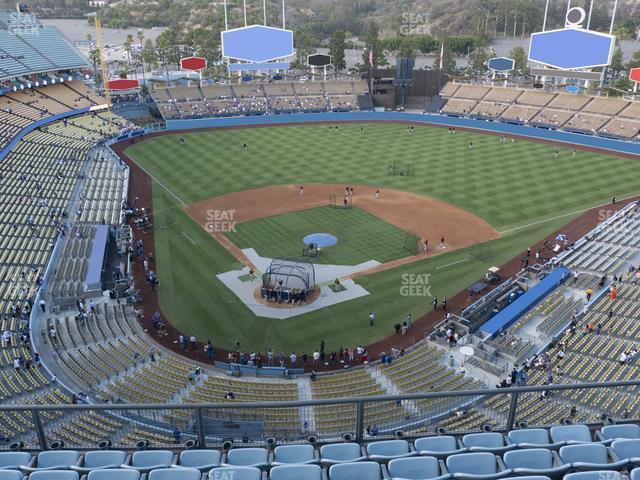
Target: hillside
489 17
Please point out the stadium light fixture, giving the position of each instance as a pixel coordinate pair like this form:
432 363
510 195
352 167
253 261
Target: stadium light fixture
37 84
104 444
16 446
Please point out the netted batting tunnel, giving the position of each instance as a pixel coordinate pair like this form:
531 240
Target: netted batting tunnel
290 274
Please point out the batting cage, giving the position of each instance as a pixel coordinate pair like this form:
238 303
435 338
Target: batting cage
340 201
288 280
411 243
403 169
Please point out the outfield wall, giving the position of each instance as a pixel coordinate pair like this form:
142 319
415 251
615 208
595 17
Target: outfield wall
591 141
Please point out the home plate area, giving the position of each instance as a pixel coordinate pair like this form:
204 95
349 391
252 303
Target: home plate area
323 292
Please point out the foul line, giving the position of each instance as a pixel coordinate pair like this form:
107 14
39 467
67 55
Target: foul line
157 181
564 215
190 239
452 263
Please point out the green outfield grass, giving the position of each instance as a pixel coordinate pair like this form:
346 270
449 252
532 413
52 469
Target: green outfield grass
510 186
361 236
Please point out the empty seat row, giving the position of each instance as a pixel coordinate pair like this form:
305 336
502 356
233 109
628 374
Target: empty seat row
477 466
623 442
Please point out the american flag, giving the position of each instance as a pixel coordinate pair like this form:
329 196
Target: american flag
371 57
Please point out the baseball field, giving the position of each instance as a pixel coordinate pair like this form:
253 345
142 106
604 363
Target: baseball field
471 187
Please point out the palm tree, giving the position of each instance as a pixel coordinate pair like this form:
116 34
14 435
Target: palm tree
127 48
141 40
94 56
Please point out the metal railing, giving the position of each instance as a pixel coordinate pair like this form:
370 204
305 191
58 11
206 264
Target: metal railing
362 418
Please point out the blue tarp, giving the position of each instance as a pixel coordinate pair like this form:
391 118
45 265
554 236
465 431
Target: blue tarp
522 305
96 260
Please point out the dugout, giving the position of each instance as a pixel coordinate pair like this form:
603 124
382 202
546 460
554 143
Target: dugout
288 280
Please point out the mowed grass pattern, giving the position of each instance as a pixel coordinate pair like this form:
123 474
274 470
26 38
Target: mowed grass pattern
361 236
508 185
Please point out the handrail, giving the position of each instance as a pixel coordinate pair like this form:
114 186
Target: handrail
331 401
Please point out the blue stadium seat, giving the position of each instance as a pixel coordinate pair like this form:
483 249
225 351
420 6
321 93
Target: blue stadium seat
533 438
100 459
54 460
591 456
417 468
627 449
476 466
295 454
113 474
296 472
203 460
439 447
491 442
335 453
175 474
247 457
55 475
635 474
594 475
533 461
571 434
355 470
612 432
148 460
15 460
388 450
11 475
531 477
